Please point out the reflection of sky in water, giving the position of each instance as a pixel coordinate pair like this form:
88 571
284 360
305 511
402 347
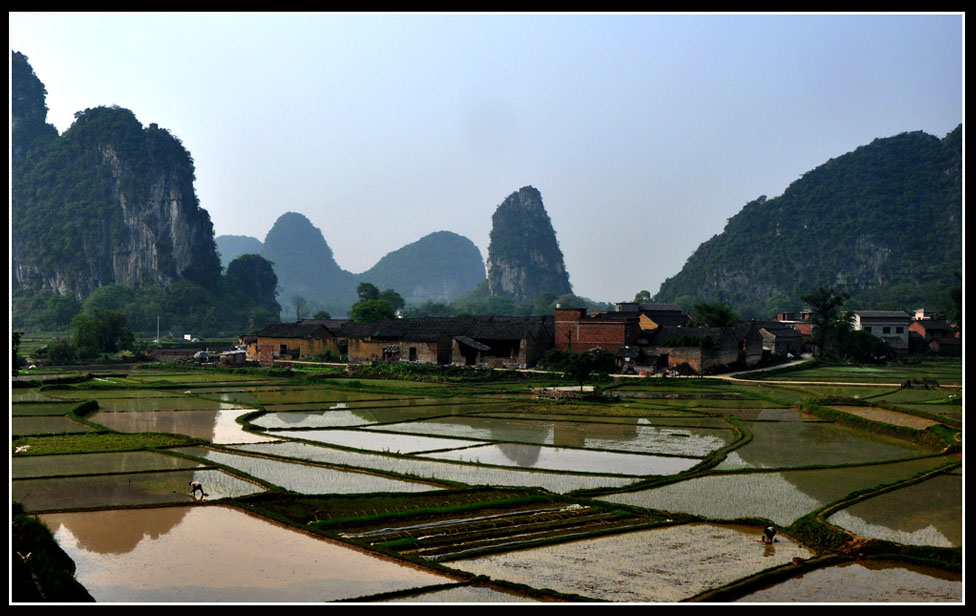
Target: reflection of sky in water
578 460
198 554
922 536
216 426
377 441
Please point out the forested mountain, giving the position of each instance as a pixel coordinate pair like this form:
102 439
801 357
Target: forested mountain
883 223
109 201
305 266
524 259
438 267
229 247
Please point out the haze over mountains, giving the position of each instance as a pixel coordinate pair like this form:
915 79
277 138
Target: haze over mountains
111 201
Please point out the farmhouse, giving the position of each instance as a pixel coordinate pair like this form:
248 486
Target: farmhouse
889 325
291 341
938 335
577 331
697 349
780 338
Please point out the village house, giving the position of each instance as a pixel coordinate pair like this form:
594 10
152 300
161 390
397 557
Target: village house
698 349
577 331
780 338
493 341
937 334
889 325
652 316
291 341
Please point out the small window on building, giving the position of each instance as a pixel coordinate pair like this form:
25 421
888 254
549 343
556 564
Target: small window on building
885 330
899 330
283 349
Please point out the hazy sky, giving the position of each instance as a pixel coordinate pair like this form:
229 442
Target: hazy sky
644 132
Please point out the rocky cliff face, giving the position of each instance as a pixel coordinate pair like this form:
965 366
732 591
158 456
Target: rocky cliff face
524 259
108 201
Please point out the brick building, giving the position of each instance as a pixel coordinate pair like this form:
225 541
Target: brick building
577 331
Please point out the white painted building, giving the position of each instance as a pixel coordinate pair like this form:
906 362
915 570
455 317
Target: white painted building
889 325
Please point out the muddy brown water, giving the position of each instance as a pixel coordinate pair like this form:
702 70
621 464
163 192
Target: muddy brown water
218 554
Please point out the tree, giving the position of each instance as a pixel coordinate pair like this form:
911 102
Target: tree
322 314
372 310
716 314
15 343
251 279
394 298
367 292
101 331
828 323
642 296
301 307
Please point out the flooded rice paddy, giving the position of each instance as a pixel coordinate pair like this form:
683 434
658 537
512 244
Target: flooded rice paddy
306 478
218 554
126 489
573 460
666 564
781 497
366 443
863 582
218 427
792 444
925 513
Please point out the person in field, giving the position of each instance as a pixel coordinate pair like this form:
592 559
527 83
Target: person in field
194 487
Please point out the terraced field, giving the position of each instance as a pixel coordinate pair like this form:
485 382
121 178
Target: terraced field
555 501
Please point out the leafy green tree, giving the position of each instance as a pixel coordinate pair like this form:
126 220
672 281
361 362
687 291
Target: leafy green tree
115 296
251 279
61 353
15 345
367 292
828 323
322 314
715 314
101 331
642 296
394 298
372 310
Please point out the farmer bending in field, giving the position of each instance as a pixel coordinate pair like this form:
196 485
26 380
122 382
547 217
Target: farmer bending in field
194 486
769 533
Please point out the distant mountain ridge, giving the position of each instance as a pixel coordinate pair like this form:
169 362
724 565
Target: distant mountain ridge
883 223
438 267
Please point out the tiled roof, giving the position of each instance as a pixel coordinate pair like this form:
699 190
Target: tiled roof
882 314
293 330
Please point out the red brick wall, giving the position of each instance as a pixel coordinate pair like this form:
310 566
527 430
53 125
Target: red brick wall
577 332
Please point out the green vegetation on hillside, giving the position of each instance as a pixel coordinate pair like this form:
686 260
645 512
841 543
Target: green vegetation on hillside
882 223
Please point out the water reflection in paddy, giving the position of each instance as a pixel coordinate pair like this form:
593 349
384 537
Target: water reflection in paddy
865 582
790 443
46 425
126 489
377 441
343 414
219 427
573 460
630 436
780 497
204 554
306 478
925 513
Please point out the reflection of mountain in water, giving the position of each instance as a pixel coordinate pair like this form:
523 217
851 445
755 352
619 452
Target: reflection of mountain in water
927 513
198 424
117 531
522 455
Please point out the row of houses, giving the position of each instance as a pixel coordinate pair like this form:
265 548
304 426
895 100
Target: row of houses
644 336
490 341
